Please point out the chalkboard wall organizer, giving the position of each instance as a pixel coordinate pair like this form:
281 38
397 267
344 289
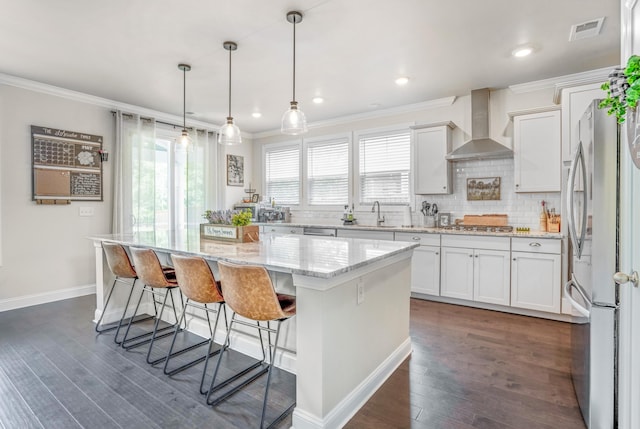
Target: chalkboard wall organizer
66 165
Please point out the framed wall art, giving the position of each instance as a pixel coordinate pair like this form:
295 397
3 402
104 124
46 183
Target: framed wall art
484 188
235 170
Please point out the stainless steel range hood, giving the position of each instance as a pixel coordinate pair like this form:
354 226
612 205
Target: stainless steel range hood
480 146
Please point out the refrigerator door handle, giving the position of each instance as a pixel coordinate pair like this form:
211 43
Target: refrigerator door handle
572 284
577 243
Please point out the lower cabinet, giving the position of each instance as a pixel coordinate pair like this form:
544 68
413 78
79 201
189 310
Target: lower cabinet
535 278
425 270
474 273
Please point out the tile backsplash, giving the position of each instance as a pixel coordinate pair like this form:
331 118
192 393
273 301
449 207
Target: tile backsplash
523 209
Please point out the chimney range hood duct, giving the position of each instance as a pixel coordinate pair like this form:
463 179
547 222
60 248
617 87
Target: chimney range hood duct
480 146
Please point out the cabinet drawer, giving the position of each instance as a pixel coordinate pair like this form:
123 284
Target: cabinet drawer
368 234
424 239
282 229
476 242
536 245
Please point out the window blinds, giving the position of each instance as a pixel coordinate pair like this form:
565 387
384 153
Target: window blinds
385 161
328 173
282 171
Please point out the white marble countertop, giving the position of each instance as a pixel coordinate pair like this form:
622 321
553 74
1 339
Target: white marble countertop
324 257
419 229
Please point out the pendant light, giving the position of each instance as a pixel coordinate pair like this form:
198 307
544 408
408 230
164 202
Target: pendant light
293 120
229 133
184 139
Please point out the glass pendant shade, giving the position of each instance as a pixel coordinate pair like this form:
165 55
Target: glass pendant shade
229 133
293 121
185 138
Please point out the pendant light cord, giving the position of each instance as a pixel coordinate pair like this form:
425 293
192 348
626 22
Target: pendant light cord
184 98
294 60
229 115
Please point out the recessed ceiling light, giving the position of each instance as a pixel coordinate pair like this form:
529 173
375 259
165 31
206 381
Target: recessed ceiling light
522 51
256 114
402 80
318 100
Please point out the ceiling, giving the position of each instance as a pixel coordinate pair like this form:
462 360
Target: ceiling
348 51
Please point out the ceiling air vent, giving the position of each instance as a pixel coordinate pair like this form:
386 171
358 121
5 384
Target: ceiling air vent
586 29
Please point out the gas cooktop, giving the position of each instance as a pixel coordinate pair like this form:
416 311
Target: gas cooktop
480 228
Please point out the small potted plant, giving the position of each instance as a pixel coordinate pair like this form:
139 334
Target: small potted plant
229 225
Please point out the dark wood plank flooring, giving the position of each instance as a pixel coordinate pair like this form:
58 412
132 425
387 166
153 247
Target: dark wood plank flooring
473 368
469 369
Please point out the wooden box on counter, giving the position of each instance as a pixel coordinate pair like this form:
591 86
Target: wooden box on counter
230 233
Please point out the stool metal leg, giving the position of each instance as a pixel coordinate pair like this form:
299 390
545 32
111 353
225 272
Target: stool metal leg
125 343
155 329
266 390
214 387
171 353
211 344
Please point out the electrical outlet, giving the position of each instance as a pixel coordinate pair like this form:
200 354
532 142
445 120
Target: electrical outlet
360 292
85 211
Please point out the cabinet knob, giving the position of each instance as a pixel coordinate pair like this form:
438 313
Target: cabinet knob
517 185
476 256
535 244
444 187
514 259
437 253
293 231
415 238
471 256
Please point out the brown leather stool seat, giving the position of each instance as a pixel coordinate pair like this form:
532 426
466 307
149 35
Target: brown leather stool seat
249 292
157 281
198 284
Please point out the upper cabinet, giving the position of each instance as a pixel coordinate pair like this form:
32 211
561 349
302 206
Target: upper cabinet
431 171
575 101
537 152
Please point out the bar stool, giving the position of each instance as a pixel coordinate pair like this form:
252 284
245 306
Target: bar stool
151 273
120 265
199 286
249 292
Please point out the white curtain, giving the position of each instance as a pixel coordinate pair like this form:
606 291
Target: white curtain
161 189
134 178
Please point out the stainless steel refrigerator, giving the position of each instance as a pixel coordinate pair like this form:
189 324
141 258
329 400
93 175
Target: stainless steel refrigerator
592 207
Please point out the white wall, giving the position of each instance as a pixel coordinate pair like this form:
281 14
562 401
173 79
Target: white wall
45 251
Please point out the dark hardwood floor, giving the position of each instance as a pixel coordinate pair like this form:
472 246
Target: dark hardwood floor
473 368
469 369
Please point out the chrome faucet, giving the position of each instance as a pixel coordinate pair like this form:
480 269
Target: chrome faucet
379 220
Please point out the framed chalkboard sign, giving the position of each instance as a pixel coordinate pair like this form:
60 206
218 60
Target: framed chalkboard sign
66 165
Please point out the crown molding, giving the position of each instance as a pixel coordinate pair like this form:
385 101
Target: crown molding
561 82
542 109
425 105
93 100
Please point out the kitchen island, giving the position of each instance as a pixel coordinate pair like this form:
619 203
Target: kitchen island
352 323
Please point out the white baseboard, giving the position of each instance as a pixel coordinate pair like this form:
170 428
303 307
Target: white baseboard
349 406
43 298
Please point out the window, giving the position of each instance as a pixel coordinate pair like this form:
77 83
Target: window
384 167
328 172
282 174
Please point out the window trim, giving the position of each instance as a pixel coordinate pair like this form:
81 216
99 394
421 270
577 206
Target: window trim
378 131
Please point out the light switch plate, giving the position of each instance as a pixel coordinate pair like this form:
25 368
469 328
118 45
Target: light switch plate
85 211
360 292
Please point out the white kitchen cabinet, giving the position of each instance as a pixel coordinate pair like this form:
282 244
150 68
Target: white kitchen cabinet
575 101
537 152
535 274
368 234
425 262
432 173
476 268
282 229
